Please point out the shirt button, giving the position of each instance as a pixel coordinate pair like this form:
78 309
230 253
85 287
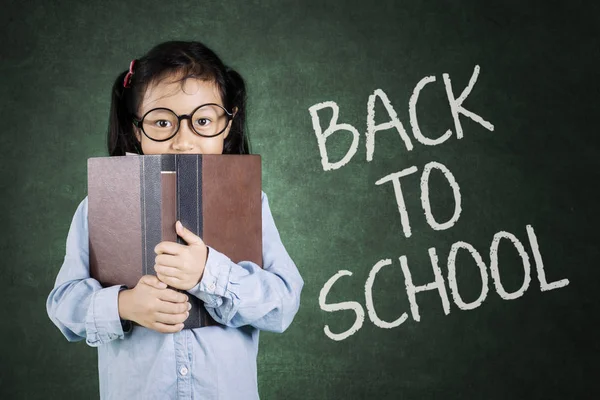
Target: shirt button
183 371
212 286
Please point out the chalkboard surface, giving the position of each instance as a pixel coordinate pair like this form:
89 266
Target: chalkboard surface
432 168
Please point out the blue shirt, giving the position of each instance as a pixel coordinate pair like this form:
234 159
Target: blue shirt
215 362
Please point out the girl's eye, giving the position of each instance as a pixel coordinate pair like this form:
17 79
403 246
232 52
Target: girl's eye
163 123
203 122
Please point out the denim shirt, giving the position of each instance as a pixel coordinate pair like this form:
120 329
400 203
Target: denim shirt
214 362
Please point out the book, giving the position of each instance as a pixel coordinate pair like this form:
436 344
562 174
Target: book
134 202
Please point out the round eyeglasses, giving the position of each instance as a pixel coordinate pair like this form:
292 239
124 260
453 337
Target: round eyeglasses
162 124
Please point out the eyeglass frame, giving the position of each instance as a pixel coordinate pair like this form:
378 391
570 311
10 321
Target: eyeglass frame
138 122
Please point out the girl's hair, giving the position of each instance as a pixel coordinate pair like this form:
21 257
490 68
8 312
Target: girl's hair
168 60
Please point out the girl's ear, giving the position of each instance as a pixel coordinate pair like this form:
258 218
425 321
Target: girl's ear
138 138
137 133
234 111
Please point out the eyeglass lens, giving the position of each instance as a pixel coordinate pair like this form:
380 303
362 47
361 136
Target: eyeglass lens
208 120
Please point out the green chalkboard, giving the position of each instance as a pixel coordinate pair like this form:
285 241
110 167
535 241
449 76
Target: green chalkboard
460 265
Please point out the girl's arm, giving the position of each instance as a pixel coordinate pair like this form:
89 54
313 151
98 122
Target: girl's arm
78 305
245 294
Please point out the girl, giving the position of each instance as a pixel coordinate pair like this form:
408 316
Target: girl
157 359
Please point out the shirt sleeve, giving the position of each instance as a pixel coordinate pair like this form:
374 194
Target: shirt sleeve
245 294
78 305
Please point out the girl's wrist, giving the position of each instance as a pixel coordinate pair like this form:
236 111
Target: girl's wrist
123 304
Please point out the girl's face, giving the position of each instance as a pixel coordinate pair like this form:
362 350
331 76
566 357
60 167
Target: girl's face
182 99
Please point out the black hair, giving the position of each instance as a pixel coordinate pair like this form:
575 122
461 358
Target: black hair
186 60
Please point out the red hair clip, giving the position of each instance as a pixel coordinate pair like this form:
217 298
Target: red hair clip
127 80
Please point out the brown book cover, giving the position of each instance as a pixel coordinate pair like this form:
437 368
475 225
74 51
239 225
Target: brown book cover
134 202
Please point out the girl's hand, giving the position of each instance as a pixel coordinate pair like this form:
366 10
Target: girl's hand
152 305
178 265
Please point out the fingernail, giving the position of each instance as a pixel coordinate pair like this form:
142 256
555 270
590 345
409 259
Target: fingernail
189 306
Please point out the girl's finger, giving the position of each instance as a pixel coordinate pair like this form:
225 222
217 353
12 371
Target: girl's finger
171 319
169 272
187 235
167 247
169 280
153 281
164 328
168 260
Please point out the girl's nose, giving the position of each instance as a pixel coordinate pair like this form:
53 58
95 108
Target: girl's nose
185 138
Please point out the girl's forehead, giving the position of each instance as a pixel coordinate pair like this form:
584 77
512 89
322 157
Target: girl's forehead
180 95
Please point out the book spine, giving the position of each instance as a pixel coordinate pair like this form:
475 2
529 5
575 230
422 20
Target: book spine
150 203
189 212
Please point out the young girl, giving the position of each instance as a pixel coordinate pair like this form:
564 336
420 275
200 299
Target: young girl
179 98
